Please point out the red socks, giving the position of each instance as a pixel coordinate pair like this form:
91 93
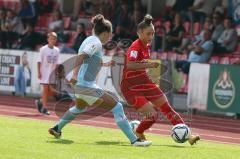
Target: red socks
146 124
168 111
170 114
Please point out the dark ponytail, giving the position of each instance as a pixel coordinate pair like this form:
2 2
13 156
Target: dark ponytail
100 24
147 21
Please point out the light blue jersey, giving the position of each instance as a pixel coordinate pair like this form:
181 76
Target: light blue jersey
88 91
87 74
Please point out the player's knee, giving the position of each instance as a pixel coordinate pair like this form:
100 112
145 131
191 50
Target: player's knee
118 112
81 104
117 108
109 100
77 110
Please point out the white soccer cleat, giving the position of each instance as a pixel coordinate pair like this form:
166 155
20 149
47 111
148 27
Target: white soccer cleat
142 143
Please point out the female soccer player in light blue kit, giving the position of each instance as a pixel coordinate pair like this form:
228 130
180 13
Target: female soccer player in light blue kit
87 66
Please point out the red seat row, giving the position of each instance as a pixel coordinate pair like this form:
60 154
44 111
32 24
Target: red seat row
11 4
159 25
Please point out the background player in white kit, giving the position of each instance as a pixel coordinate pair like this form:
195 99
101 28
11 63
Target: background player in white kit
47 63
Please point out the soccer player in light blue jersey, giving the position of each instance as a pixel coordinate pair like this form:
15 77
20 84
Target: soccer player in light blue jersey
87 93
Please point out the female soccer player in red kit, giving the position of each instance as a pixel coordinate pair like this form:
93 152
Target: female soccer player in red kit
139 90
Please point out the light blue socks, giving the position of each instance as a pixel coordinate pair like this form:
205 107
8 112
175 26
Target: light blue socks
118 113
70 115
123 123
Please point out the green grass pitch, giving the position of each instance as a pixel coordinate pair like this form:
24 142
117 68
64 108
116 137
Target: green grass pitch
28 139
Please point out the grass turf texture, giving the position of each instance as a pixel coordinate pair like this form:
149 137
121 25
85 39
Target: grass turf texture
28 139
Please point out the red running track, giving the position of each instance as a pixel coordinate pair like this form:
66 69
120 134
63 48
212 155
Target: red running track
214 129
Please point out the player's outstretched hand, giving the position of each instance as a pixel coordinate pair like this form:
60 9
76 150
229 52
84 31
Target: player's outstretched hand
112 63
73 81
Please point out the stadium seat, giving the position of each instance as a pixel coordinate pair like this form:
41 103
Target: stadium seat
72 37
83 15
167 25
214 60
236 55
67 22
43 21
224 60
1 4
158 27
157 22
17 6
172 56
237 50
47 14
56 6
153 55
159 31
10 4
40 24
49 19
168 6
89 32
234 59
162 56
187 27
226 55
196 28
181 57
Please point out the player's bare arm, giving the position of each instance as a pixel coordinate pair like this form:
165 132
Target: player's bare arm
77 65
137 65
39 68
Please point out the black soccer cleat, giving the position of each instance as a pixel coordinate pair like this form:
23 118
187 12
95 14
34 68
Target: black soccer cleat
45 111
38 105
54 131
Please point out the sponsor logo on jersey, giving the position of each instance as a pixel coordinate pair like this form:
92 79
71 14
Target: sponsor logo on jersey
133 54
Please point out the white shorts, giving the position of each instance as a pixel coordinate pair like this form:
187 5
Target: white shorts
89 94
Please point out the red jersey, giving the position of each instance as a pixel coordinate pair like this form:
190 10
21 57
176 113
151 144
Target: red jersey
136 52
136 86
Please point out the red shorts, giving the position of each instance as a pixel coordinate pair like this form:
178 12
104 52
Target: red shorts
141 94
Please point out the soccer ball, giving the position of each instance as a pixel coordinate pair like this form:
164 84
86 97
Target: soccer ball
134 124
180 133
